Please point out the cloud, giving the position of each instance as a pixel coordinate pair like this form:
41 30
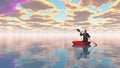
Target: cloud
78 16
41 14
112 25
110 14
96 3
54 11
70 5
85 2
8 23
5 19
37 25
15 14
5 6
112 20
36 22
11 27
8 6
39 18
82 23
38 5
117 6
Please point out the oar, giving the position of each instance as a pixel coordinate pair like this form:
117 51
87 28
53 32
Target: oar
78 30
93 42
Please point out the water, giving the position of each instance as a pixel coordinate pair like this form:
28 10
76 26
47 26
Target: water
53 51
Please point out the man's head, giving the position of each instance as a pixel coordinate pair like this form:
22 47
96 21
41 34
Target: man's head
85 31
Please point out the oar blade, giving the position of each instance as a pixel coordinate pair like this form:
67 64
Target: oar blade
78 30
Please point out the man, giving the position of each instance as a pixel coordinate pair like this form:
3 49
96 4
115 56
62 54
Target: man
85 36
85 39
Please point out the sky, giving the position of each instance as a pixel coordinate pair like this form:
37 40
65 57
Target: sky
59 15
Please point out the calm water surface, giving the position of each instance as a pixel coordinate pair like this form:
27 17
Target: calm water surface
37 51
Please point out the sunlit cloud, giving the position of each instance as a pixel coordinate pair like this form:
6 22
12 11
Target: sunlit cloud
112 19
117 6
80 15
38 5
95 3
59 15
70 5
38 19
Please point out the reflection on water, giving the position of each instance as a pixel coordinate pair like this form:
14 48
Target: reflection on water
18 51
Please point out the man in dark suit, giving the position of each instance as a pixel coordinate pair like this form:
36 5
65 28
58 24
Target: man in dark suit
85 36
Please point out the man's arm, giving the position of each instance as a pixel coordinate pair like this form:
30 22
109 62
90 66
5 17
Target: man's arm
88 35
81 33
